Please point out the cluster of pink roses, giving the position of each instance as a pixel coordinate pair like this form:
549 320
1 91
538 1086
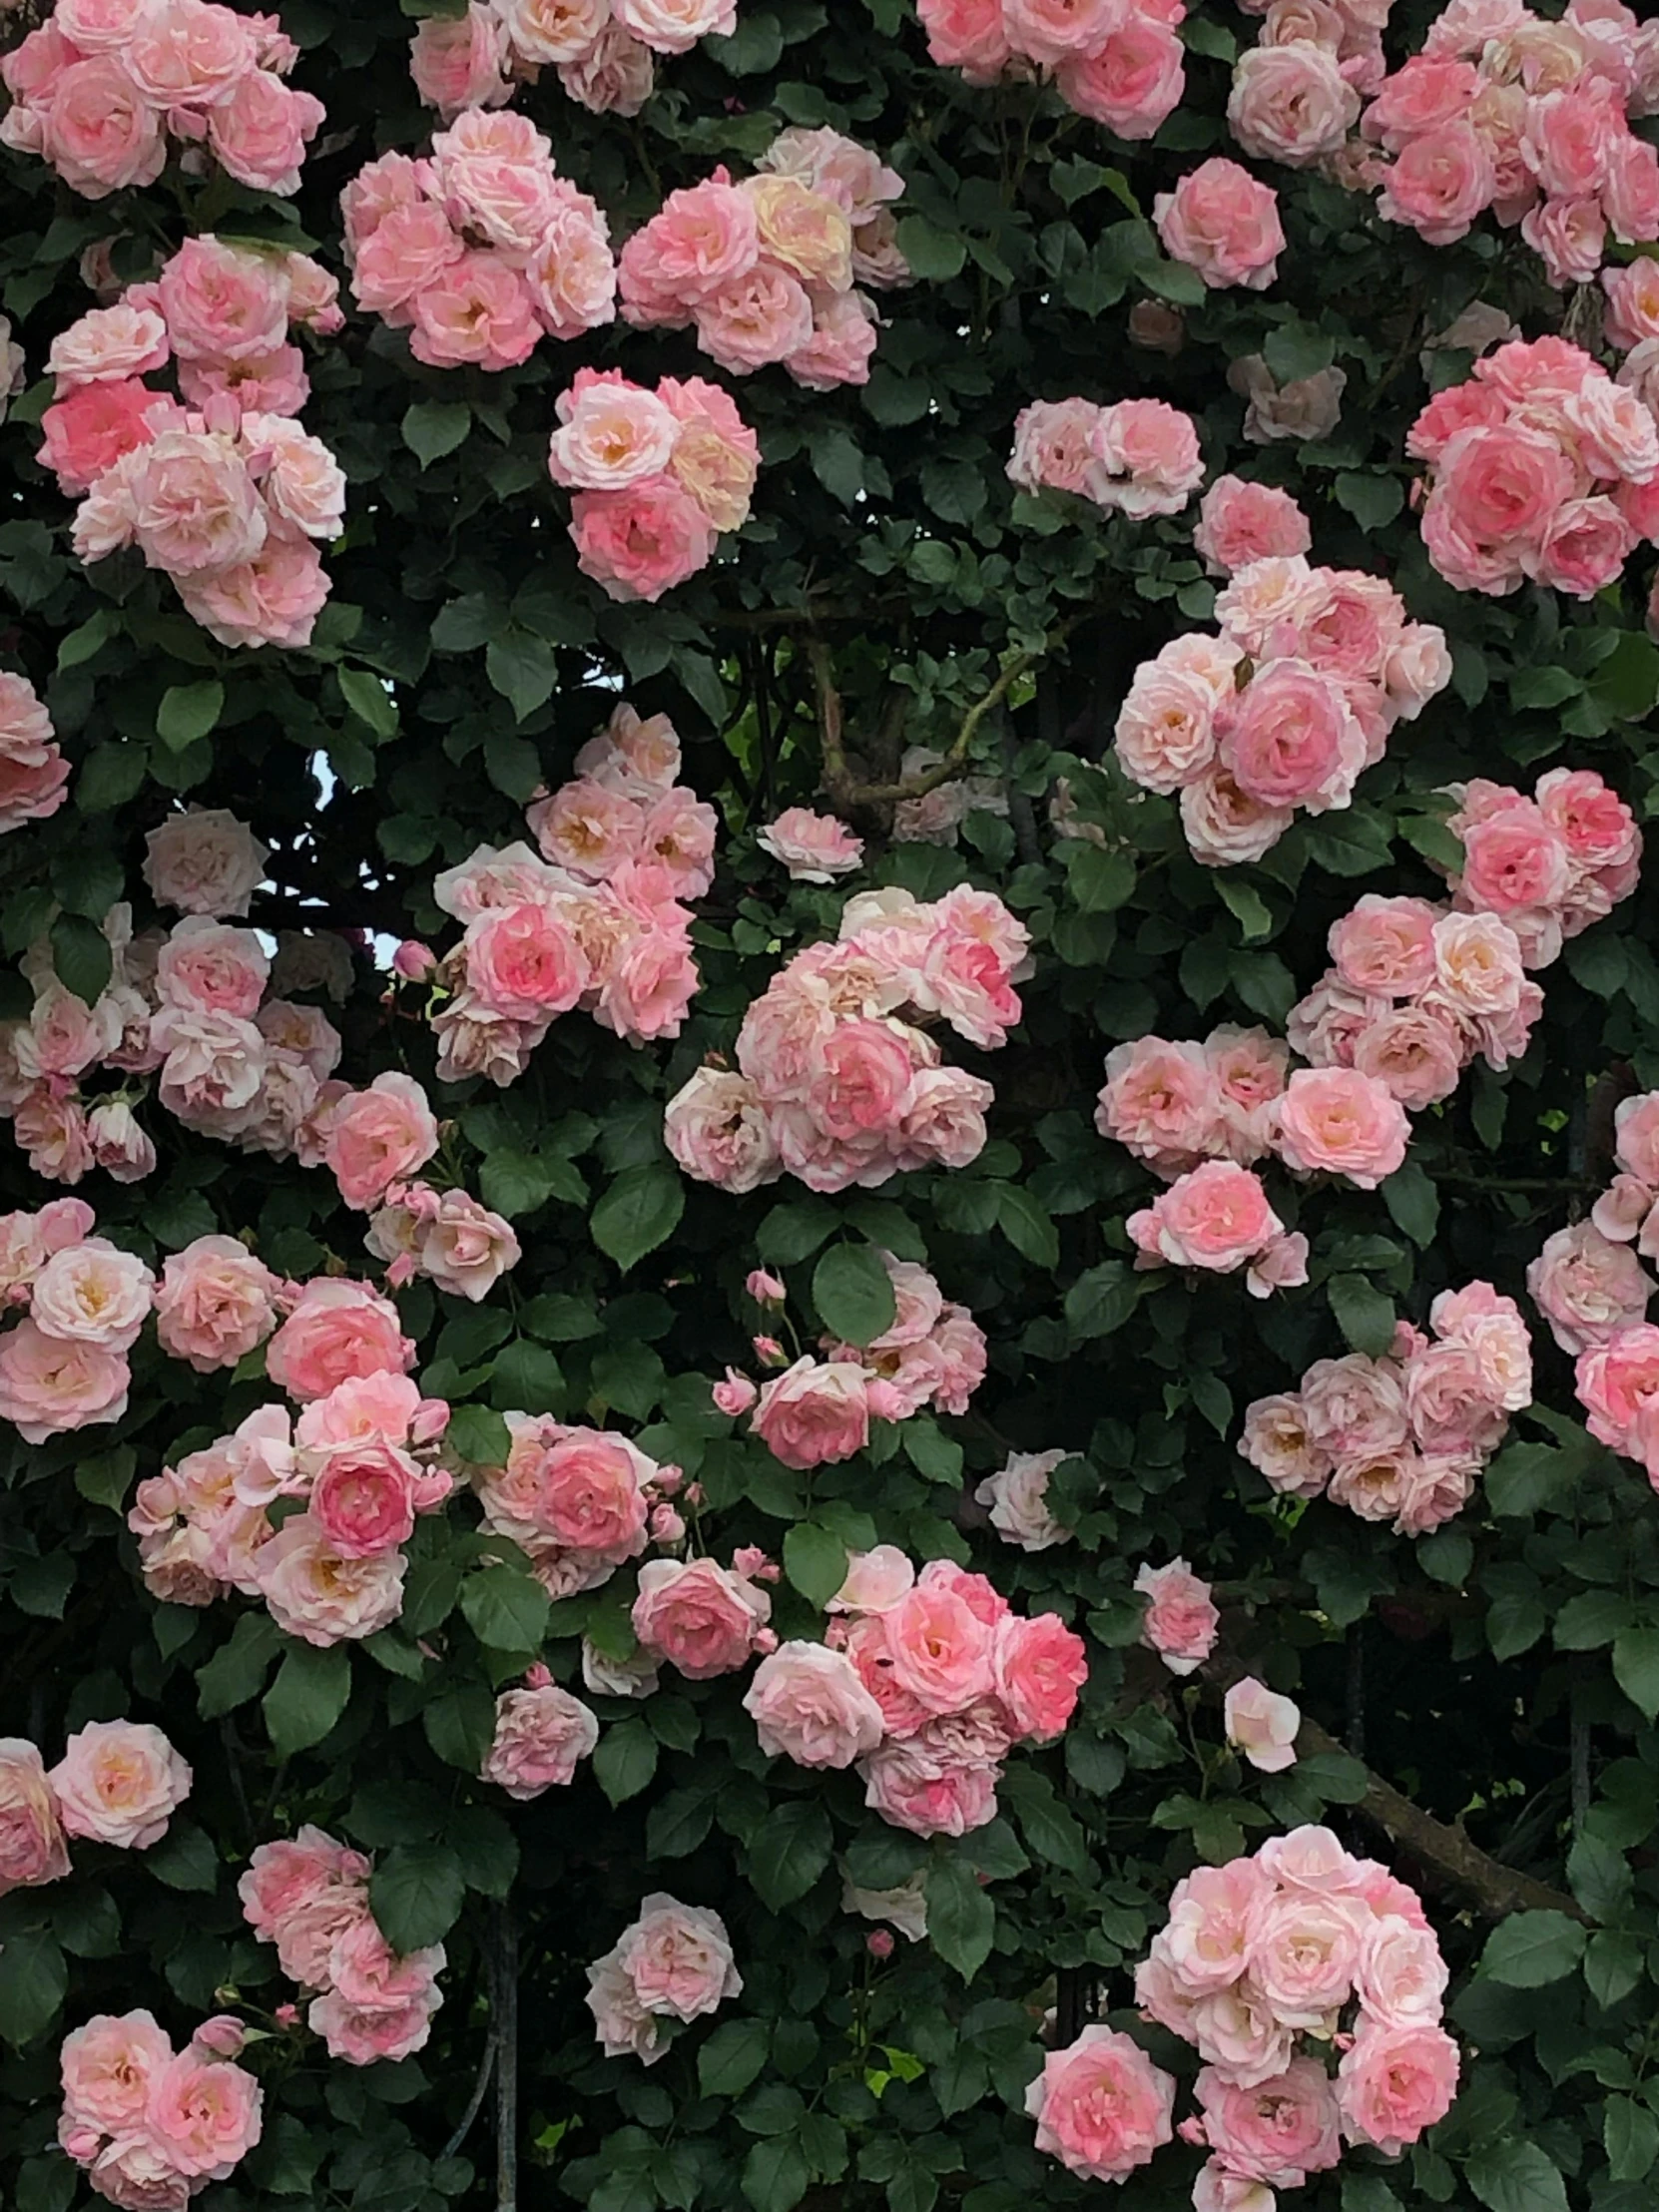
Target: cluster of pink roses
1137 457
1119 62
150 2126
1414 994
225 493
817 1413
597 924
1508 110
359 1462
835 1081
673 1963
1548 866
34 776
1401 1439
1589 1281
926 1682
1284 709
1541 466
309 1896
578 1503
478 249
765 269
1257 1954
64 1366
654 476
118 1782
602 51
99 85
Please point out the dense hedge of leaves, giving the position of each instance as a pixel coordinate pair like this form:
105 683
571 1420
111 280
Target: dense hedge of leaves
1503 1674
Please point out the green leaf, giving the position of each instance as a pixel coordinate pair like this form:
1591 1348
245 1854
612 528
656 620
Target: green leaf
1525 1477
185 1859
460 1725
1636 1669
961 1920
732 2057
307 1697
1295 349
790 1851
792 1233
1028 1227
524 669
505 1608
434 428
1102 1300
1530 1950
853 1294
776 2174
368 699
1631 2136
1365 1315
479 1436
1373 500
32 1984
237 1671
815 1560
416 1892
639 1211
1512 2175
933 256
81 957
1414 1203
625 1759
189 712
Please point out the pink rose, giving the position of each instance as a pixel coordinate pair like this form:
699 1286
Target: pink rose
1402 1978
1101 2106
1132 82
541 1734
812 1414
1163 1102
1145 458
32 1848
338 1331
1353 1404
1225 224
1415 1052
204 861
1048 31
1395 2082
1166 729
314 1592
1017 1500
362 2038
119 1783
640 543
611 437
915 1786
717 1129
93 1294
1041 1667
875 1581
814 849
969 35
1440 182
1290 102
1342 1122
1211 1910
109 2067
675 26
379 1137
1240 522
1216 1216
1262 1725
808 1704
51 1385
1289 739
1181 1622
1386 947
364 1499
99 131
203 2115
215 1302
260 132
461 61
1278 2133
942 1654
1053 445
1495 493
699 1616
675 1962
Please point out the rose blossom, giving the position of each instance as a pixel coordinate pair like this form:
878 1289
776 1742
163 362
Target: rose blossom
203 2115
93 1294
1017 1500
204 861
379 1137
1239 522
814 849
1041 1667
675 1962
50 1385
1395 2082
1223 222
1181 1621
1101 2106
337 1331
119 1783
32 1848
541 1733
1344 1122
1587 1288
1262 1725
808 1704
1290 103
315 1593
813 1414
107 2069
703 1618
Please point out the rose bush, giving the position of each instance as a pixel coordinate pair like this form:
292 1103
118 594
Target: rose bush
829 1049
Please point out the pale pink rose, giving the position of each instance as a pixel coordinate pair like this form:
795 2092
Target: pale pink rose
1402 1977
1181 1622
32 1848
1166 729
1632 303
1053 444
640 543
195 505
1278 2133
1216 1216
1490 1326
918 1789
717 1129
215 1302
1101 2106
1290 103
301 482
944 1122
98 129
1145 458
203 2115
1132 82
208 966
590 1493
1290 737
50 1385
1314 1859
1428 94
553 30
288 1877
614 77
1041 1667
675 1963
1279 1443
1623 1209
1218 2189
1223 222
813 1414
875 1581
109 2067
808 1704
1163 1102
1048 31
1353 1404
675 26
369 1976
802 231
766 315
1439 182
1226 826
93 1294
476 312
1386 947
940 1652
1239 522
260 132
702 239
223 303
1211 1912
1264 1727
338 1331
380 1137
969 35
204 862
324 1598
461 61
701 1617
1514 859
1342 1122
1418 669
541 1734
109 345
364 2039
1416 1052
1636 1136
408 250
612 435
1496 491
119 1783
1017 1500
1395 2082
814 849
